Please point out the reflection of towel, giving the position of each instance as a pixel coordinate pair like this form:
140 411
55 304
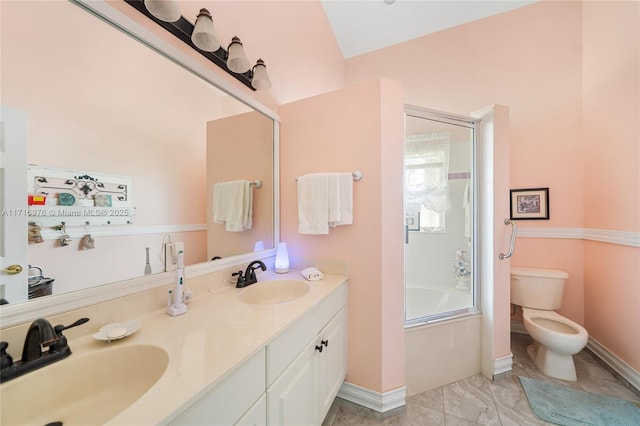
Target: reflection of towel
232 204
466 203
312 274
324 200
313 204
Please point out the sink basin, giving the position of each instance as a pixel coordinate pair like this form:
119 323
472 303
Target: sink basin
83 390
273 292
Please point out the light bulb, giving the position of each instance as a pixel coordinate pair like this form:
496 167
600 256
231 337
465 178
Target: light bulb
164 10
261 80
204 34
237 60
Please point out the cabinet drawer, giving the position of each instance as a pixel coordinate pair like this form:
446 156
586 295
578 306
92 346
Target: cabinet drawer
227 402
286 347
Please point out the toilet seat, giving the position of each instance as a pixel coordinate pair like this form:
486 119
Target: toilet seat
554 324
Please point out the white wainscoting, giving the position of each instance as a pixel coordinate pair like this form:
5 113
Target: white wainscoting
626 238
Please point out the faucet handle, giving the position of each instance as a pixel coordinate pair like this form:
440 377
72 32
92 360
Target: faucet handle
61 341
241 278
59 328
5 359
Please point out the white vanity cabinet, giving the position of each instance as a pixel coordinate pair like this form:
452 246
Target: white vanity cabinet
292 381
236 398
304 391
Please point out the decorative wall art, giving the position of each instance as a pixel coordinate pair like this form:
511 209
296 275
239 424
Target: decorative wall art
530 203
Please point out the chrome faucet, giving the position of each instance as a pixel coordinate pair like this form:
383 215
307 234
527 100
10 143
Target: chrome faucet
249 276
40 334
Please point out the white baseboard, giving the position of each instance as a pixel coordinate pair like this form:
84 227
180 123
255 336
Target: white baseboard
502 365
381 402
619 366
625 371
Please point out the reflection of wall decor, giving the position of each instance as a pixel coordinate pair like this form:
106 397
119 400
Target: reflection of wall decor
412 220
52 182
530 203
79 198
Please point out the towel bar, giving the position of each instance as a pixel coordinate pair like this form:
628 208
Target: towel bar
257 183
357 175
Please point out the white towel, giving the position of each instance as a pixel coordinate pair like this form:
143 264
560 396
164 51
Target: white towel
345 199
312 274
233 205
324 200
313 204
466 204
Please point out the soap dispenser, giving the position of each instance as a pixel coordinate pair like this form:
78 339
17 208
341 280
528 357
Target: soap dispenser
282 259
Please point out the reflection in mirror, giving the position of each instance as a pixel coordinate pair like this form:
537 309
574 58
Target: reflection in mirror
98 101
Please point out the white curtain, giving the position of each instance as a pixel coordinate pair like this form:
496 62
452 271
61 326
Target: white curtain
426 172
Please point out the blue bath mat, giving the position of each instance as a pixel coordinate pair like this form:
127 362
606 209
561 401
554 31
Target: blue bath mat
558 404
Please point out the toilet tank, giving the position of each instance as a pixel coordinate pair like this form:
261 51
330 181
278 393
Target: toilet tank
537 288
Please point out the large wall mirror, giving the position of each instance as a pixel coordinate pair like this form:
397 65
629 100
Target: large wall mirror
99 101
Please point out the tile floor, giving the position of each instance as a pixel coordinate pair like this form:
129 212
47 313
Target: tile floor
478 401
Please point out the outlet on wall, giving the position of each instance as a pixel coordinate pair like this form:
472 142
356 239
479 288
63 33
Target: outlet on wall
171 255
169 258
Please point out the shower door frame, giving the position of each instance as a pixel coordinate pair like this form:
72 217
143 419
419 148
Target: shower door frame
471 123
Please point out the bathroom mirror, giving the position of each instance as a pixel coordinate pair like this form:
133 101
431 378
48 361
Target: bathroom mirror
99 101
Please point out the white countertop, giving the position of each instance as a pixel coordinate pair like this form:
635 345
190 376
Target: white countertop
206 344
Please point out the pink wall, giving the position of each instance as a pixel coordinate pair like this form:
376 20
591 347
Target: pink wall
346 130
240 147
569 73
611 111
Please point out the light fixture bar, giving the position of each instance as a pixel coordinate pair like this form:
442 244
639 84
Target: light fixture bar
182 29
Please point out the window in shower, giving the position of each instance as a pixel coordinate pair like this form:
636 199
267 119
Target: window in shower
440 279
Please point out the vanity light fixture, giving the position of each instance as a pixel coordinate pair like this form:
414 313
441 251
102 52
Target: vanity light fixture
203 39
165 10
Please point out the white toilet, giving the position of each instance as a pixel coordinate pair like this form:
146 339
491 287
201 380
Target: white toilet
556 338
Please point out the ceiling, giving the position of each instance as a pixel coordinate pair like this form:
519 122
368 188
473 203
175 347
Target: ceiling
361 26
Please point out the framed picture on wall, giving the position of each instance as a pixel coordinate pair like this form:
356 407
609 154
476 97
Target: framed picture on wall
530 203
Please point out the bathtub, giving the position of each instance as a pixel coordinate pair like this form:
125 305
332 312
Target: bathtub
425 301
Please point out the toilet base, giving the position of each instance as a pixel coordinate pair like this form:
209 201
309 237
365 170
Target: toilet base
552 364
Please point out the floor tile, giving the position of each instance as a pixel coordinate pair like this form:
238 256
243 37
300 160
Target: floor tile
478 401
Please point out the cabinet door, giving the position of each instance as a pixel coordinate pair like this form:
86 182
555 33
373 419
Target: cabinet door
227 402
332 361
257 414
292 399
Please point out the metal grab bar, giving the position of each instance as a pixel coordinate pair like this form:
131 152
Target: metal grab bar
512 244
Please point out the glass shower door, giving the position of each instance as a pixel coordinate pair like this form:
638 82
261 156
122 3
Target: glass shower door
439 216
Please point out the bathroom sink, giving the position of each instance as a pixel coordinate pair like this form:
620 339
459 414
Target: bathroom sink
273 292
83 390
